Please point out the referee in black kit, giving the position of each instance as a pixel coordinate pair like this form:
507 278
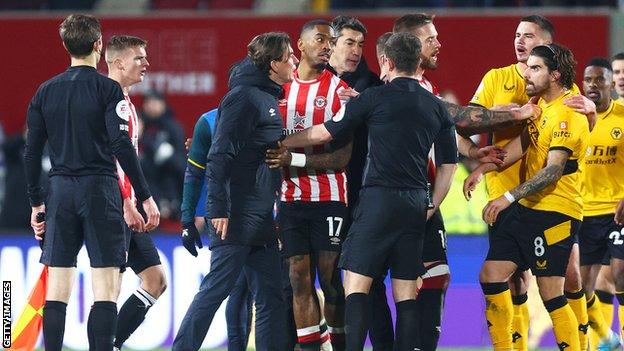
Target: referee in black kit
403 121
84 118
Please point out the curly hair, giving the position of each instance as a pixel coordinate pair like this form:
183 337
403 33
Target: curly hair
558 58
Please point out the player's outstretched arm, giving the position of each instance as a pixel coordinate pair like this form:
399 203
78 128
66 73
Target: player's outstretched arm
513 151
282 157
314 135
548 175
470 120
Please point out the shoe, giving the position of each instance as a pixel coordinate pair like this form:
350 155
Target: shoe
611 342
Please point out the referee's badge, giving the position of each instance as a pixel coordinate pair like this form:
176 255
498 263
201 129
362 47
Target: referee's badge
123 110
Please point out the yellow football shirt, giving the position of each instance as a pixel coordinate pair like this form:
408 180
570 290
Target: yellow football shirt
559 127
503 86
603 169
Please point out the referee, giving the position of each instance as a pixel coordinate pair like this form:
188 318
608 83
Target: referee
84 118
403 121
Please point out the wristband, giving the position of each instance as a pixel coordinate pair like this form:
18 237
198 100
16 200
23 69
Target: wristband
297 159
509 197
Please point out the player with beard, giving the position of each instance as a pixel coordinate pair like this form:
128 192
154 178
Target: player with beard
127 64
539 231
502 86
313 214
600 232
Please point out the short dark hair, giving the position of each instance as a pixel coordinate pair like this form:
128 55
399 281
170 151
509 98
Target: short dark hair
313 23
381 42
618 56
600 62
79 33
404 50
541 22
341 22
123 42
267 47
558 58
411 21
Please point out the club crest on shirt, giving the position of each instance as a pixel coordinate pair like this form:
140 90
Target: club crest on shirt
282 102
320 102
616 133
123 110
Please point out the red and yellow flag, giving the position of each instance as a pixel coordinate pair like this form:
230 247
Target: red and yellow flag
28 327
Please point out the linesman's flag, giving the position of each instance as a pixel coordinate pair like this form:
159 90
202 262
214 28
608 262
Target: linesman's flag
28 327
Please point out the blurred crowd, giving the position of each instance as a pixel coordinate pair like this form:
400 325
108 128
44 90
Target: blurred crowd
161 152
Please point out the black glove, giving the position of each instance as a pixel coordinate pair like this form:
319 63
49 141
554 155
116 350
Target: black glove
190 237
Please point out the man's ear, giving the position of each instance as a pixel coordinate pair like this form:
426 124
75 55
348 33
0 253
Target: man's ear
556 75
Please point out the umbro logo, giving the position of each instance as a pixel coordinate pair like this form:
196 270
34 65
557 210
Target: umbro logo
185 232
272 112
515 336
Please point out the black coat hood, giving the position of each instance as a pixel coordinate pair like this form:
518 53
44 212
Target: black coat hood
246 73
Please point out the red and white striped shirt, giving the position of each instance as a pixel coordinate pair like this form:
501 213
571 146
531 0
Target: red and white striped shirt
124 182
309 103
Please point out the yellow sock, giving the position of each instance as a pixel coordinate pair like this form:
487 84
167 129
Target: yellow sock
499 314
596 318
520 325
604 302
565 325
578 303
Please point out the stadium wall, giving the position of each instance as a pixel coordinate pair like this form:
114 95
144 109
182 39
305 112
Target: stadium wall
190 55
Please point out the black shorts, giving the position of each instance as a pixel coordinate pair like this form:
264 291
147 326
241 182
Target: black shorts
540 240
85 210
492 230
142 252
599 238
307 227
388 229
434 246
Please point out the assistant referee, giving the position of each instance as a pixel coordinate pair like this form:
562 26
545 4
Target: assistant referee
84 118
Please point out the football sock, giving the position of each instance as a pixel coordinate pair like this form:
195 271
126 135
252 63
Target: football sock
337 336
309 338
356 321
578 303
498 314
520 325
407 316
101 325
54 313
132 314
596 319
430 304
565 326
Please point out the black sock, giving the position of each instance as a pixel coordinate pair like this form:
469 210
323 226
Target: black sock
54 313
381 331
407 317
101 325
430 304
131 315
356 321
